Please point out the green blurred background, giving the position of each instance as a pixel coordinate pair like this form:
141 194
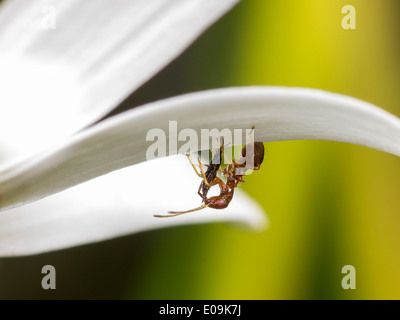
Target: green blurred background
329 204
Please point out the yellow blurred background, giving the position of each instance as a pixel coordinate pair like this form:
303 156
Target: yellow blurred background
330 204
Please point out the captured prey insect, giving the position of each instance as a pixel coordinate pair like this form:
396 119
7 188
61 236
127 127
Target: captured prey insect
211 172
252 156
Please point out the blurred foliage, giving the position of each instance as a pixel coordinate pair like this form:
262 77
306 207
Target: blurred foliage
329 204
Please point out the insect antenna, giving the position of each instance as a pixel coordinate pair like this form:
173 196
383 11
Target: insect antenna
178 213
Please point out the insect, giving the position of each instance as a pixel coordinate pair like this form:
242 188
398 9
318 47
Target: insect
211 173
252 156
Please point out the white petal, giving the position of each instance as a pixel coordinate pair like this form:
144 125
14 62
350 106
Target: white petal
120 203
276 113
56 81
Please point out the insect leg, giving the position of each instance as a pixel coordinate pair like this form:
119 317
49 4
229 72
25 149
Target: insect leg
223 152
194 167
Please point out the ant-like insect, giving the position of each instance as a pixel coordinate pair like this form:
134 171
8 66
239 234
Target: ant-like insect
252 156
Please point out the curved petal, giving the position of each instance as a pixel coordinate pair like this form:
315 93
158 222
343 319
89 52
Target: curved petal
120 203
66 63
277 114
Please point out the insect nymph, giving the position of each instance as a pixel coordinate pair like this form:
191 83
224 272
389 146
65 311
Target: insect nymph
252 156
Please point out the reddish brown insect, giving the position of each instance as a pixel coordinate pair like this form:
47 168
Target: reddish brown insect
252 156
